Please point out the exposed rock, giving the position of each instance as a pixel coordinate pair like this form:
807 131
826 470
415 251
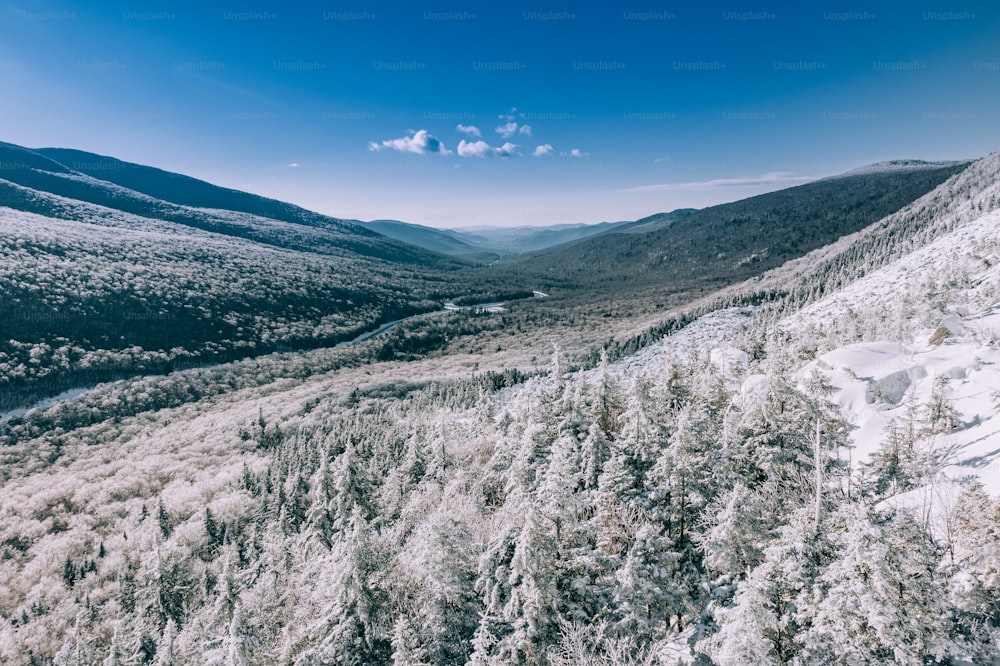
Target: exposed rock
950 326
941 333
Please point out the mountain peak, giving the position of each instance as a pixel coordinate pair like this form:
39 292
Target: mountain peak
900 165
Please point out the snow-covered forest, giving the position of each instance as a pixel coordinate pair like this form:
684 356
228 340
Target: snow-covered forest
806 473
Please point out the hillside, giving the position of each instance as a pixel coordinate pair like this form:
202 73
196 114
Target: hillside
672 506
99 281
657 221
727 243
156 194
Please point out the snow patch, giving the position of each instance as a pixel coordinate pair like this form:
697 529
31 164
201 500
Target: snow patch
879 382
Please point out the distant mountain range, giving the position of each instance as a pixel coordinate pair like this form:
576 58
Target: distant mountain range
490 243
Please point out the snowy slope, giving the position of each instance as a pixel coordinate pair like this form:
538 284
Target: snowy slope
957 273
877 331
878 382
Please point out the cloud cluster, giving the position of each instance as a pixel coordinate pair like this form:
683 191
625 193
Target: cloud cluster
483 149
421 142
509 129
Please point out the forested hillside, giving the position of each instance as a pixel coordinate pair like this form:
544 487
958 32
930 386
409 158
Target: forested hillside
159 195
99 281
727 243
758 487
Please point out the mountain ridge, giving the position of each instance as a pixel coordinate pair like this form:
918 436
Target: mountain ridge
107 181
725 243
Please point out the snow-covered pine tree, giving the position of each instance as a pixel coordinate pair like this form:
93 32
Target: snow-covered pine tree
880 599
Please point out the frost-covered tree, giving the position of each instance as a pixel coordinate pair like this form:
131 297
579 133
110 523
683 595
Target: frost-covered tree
165 646
532 609
647 594
622 497
940 415
348 625
733 532
444 611
975 572
762 623
609 402
494 589
406 645
880 599
320 520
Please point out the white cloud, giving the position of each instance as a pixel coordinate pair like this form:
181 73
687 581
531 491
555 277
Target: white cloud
525 129
293 165
506 150
471 130
420 142
473 148
543 150
777 178
577 153
482 149
507 130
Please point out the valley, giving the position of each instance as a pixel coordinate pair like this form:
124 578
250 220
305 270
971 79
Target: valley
337 470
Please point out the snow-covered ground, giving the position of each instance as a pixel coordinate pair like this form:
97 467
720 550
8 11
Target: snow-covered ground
707 333
878 382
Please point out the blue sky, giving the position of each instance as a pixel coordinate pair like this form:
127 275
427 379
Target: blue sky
456 113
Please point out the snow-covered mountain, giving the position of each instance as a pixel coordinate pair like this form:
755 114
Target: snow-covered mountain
110 270
804 470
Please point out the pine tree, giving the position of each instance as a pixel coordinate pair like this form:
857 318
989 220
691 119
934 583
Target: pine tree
622 497
494 589
559 493
763 622
751 632
165 646
164 521
594 452
406 647
229 642
732 533
348 626
940 415
610 402
647 595
880 600
975 573
532 608
213 530
445 609
319 521
114 657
